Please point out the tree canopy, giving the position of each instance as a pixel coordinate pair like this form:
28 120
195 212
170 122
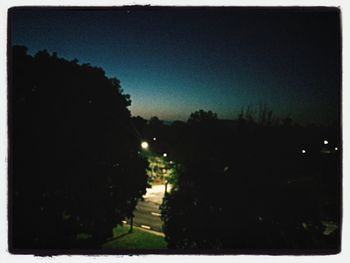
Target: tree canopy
253 183
75 171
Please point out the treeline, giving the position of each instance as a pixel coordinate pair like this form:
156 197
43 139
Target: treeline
257 182
75 170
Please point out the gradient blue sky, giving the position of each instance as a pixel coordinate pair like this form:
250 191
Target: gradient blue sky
175 61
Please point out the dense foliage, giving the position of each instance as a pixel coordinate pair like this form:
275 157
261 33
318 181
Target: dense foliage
76 170
253 183
75 167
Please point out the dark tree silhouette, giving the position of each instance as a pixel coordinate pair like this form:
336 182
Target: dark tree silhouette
202 116
155 127
247 184
140 125
76 169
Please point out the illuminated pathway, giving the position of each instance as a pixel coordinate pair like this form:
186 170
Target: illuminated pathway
147 213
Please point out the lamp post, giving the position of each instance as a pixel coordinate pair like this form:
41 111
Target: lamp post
166 187
165 171
131 224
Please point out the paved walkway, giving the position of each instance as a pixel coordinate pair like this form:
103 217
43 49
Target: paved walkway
147 213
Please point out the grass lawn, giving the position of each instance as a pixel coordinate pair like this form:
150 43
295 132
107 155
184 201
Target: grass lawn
138 239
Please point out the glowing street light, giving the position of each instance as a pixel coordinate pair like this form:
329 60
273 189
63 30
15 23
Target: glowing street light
144 145
165 155
336 148
303 151
154 138
325 142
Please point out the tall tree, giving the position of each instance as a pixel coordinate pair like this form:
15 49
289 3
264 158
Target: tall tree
250 184
76 169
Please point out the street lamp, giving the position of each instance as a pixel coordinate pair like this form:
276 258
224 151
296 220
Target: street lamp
165 155
325 142
144 145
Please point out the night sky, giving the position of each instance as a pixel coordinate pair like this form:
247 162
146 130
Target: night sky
175 61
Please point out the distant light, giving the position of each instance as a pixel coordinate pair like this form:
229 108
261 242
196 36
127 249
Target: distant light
144 145
325 142
303 151
154 138
336 148
164 171
171 162
165 155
